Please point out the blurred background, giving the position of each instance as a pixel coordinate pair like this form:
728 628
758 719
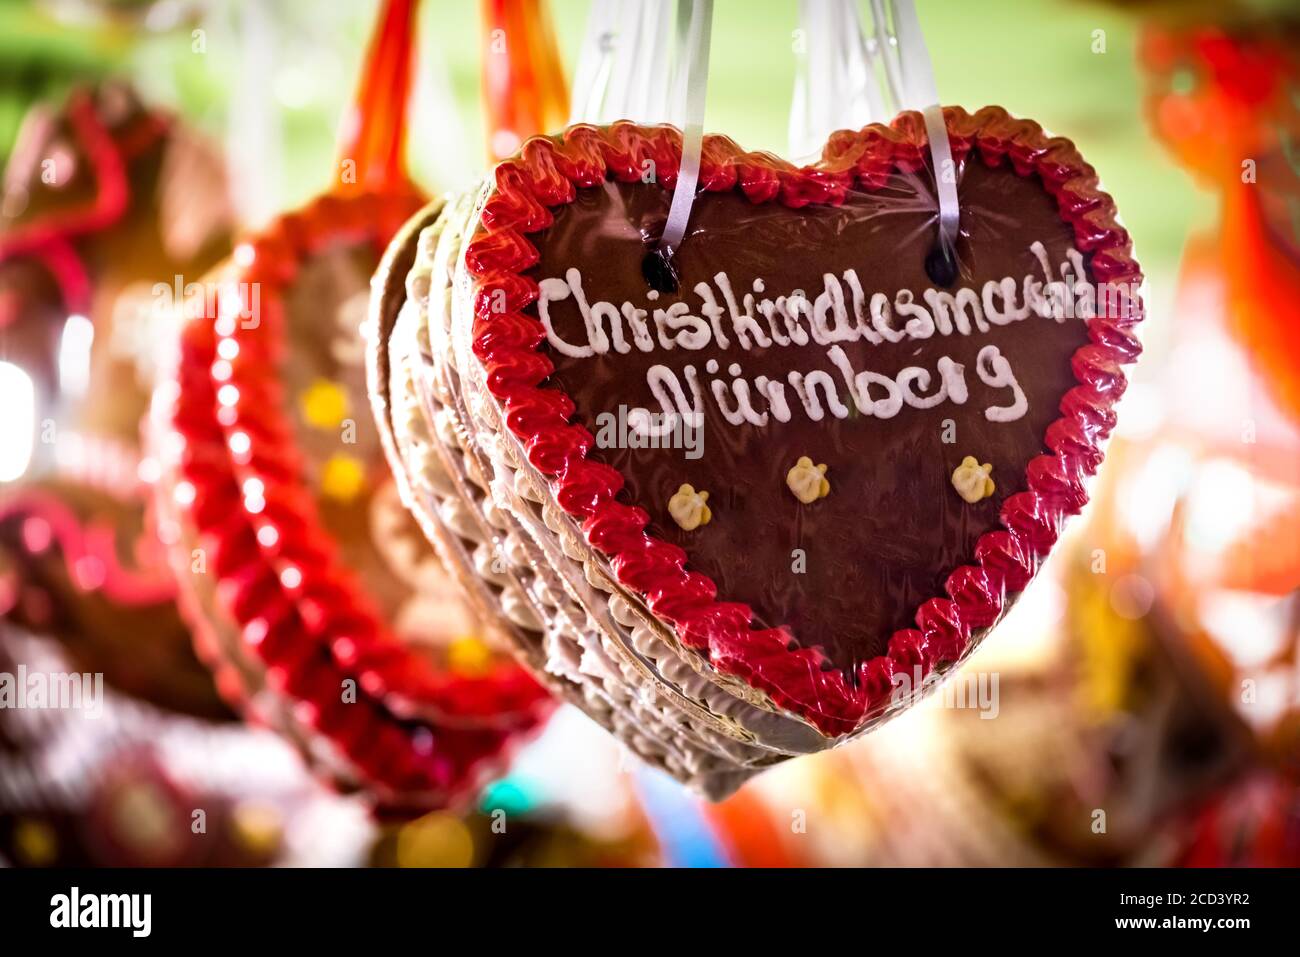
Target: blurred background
1147 685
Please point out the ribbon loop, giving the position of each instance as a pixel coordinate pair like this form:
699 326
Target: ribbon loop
623 74
691 76
851 76
920 93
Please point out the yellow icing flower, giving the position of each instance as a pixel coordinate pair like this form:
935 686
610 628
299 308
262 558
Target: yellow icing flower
971 480
343 478
807 481
688 508
324 404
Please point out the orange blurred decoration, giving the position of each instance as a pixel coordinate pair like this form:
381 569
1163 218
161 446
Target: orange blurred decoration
524 91
1226 102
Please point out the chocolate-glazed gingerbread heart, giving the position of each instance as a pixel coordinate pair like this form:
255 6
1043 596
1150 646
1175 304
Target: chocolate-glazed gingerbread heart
955 424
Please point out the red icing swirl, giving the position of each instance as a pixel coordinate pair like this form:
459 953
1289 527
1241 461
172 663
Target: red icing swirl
413 729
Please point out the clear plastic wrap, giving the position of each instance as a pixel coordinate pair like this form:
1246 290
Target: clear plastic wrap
1017 368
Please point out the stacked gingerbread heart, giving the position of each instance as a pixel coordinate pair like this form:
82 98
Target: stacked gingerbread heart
751 506
498 548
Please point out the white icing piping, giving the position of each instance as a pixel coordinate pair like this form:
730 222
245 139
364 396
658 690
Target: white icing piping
837 315
841 312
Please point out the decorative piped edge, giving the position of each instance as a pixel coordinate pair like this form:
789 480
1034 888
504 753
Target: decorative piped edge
300 611
548 171
108 158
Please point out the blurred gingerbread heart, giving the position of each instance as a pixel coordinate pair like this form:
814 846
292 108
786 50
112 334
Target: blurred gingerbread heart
105 202
312 592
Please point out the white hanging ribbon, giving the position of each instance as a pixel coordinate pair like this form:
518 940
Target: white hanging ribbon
622 69
921 93
622 74
850 77
591 78
691 78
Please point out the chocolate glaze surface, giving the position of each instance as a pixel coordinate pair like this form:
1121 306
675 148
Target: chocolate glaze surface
847 570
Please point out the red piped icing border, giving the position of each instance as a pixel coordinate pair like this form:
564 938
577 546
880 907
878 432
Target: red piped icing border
413 729
50 238
88 551
548 172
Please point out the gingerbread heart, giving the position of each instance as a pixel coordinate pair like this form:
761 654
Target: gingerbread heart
475 506
300 582
101 193
818 467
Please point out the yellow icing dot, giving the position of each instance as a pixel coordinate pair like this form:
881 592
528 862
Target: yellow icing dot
258 827
343 478
807 481
35 842
689 509
469 655
324 404
972 481
436 840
